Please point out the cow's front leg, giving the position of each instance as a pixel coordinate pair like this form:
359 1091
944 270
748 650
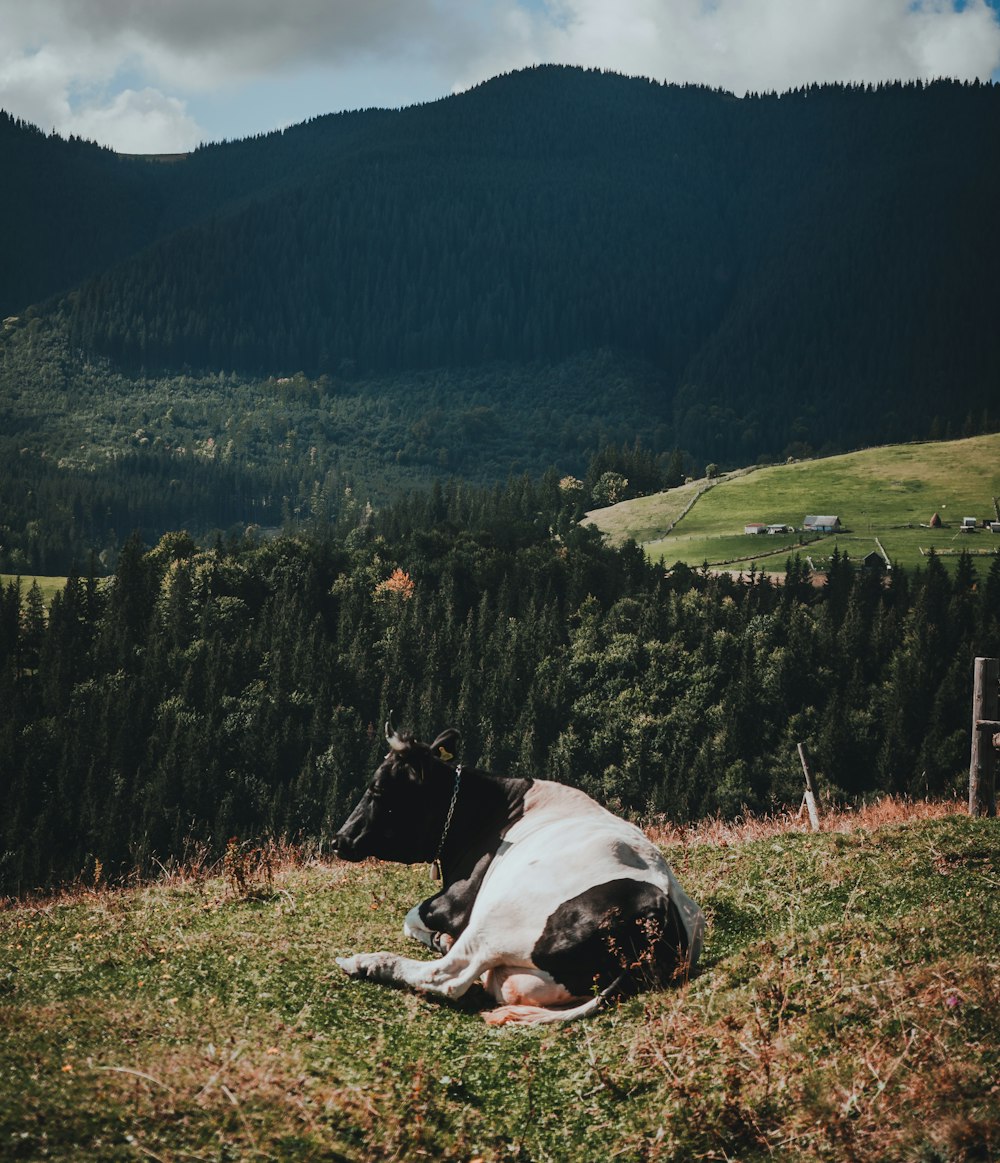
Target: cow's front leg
450 976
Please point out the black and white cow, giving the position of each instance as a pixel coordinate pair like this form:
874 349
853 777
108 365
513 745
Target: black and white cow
552 903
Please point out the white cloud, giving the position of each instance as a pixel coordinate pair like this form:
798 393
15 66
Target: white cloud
64 78
771 44
956 44
147 75
143 121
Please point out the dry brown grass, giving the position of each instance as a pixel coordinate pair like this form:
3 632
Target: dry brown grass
248 870
879 813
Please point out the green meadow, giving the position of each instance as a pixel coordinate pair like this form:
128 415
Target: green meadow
48 585
847 1007
889 494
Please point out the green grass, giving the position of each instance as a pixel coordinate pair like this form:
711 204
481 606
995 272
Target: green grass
48 585
848 1007
888 493
646 518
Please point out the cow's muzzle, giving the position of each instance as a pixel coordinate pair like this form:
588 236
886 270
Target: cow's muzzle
344 848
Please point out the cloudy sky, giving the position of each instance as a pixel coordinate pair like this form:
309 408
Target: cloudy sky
164 75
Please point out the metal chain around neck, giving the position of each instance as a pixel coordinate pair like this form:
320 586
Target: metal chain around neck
436 865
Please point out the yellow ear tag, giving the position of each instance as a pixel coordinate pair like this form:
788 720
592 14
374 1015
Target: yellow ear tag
446 755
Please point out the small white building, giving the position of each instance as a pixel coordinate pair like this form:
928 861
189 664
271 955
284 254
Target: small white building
755 527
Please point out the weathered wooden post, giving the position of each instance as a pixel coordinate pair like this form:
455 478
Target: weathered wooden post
985 729
810 798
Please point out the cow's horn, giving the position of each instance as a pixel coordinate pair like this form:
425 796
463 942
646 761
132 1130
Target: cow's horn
392 736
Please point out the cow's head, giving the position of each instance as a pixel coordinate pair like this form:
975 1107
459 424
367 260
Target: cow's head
402 814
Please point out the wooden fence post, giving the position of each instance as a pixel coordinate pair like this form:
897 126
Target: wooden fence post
810 798
983 764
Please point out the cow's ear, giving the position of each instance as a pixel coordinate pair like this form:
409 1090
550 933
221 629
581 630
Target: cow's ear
446 745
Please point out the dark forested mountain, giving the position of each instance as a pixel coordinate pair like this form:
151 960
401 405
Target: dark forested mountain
72 209
778 273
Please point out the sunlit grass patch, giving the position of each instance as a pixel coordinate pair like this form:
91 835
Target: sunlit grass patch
646 518
49 585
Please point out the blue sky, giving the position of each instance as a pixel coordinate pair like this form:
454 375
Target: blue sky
164 75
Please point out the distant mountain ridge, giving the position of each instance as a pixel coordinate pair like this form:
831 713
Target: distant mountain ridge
810 269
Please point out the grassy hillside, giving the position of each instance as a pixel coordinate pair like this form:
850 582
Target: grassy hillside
847 1008
890 493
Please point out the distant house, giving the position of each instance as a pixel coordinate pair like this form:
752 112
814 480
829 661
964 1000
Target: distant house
874 561
779 529
936 521
969 524
822 524
755 527
995 526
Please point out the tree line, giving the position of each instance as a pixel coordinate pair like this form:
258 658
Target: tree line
203 693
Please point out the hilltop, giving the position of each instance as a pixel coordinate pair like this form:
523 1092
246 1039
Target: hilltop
847 1008
884 496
